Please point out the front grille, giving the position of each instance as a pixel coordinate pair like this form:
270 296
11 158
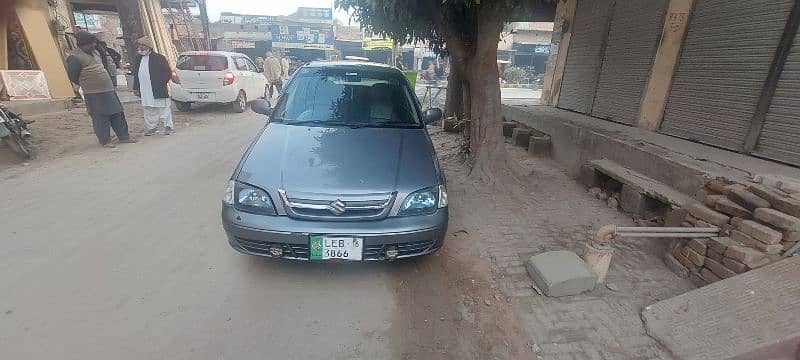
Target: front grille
377 251
293 251
320 207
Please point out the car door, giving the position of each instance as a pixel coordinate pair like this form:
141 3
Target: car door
244 78
259 80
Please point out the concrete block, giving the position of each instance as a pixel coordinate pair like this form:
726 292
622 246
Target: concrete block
745 255
539 144
731 208
777 219
760 232
520 137
561 273
747 199
740 237
676 267
508 128
702 212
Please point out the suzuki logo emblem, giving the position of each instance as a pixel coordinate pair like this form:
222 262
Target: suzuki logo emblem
337 207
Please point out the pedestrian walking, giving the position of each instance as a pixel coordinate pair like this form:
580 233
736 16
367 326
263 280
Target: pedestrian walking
85 69
273 70
151 72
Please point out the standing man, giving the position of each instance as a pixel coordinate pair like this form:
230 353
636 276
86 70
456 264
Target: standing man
273 71
85 69
285 66
151 72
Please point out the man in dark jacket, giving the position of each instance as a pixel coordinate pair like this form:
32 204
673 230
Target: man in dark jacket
85 69
151 72
110 59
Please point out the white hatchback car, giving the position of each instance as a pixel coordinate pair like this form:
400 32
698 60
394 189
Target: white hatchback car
216 77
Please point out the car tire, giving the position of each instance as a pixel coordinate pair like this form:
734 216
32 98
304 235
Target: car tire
183 106
240 104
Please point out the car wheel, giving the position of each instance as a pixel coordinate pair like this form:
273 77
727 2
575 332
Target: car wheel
183 106
240 105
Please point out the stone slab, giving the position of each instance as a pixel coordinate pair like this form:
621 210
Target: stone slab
642 183
560 273
760 312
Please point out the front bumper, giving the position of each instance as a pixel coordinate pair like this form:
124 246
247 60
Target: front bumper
256 234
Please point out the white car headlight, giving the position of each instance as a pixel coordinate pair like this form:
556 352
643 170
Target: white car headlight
249 199
424 202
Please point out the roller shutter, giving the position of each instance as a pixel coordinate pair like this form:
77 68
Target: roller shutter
780 137
633 37
724 62
584 55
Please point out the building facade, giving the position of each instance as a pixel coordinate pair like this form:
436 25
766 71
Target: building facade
719 72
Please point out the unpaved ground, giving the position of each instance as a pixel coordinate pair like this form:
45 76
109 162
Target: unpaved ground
119 254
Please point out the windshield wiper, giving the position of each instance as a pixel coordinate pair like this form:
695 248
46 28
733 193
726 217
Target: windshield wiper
328 123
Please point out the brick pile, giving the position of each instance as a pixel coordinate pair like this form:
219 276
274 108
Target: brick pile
757 224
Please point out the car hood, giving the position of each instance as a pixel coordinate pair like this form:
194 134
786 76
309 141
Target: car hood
340 160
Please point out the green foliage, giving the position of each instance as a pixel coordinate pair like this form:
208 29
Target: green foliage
514 75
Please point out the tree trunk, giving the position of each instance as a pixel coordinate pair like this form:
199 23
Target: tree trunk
486 138
454 102
130 19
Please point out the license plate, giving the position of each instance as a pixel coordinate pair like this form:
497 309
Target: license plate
335 247
201 96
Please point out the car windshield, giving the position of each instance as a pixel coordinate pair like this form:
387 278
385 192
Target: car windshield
202 63
348 96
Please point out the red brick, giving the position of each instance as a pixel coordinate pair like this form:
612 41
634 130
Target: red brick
698 245
791 236
745 255
760 232
719 244
701 212
713 255
683 258
695 257
709 276
735 221
777 219
676 266
747 199
789 206
759 263
755 244
711 200
788 245
697 280
731 208
734 265
719 269
767 193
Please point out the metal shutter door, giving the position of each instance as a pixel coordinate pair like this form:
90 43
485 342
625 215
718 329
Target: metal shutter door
583 57
780 137
727 53
632 41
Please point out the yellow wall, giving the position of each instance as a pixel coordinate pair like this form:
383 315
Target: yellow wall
35 18
565 13
658 86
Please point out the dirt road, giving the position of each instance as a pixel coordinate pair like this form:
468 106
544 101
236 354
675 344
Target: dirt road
119 254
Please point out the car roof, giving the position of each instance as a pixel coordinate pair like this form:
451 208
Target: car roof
220 53
353 64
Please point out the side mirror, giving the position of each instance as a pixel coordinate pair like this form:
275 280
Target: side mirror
261 106
432 115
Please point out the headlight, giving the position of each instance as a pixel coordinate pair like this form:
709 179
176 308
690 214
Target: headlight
248 198
424 202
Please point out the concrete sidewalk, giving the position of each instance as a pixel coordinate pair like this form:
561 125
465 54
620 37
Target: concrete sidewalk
679 163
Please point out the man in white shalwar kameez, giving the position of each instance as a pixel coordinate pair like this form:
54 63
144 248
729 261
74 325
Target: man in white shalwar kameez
152 72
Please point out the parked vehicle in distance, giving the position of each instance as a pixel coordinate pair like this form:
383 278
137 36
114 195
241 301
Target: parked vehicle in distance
343 170
216 77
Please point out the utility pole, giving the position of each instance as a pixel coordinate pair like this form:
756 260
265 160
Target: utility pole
204 21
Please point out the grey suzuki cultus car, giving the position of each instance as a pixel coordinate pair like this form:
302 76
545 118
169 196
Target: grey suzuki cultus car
343 170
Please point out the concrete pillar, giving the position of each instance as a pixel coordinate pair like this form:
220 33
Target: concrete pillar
656 93
562 32
34 17
4 41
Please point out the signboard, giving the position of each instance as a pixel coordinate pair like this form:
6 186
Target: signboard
541 50
376 42
538 49
320 15
247 19
87 21
302 37
243 44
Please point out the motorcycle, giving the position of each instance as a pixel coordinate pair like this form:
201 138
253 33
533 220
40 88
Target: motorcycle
14 132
